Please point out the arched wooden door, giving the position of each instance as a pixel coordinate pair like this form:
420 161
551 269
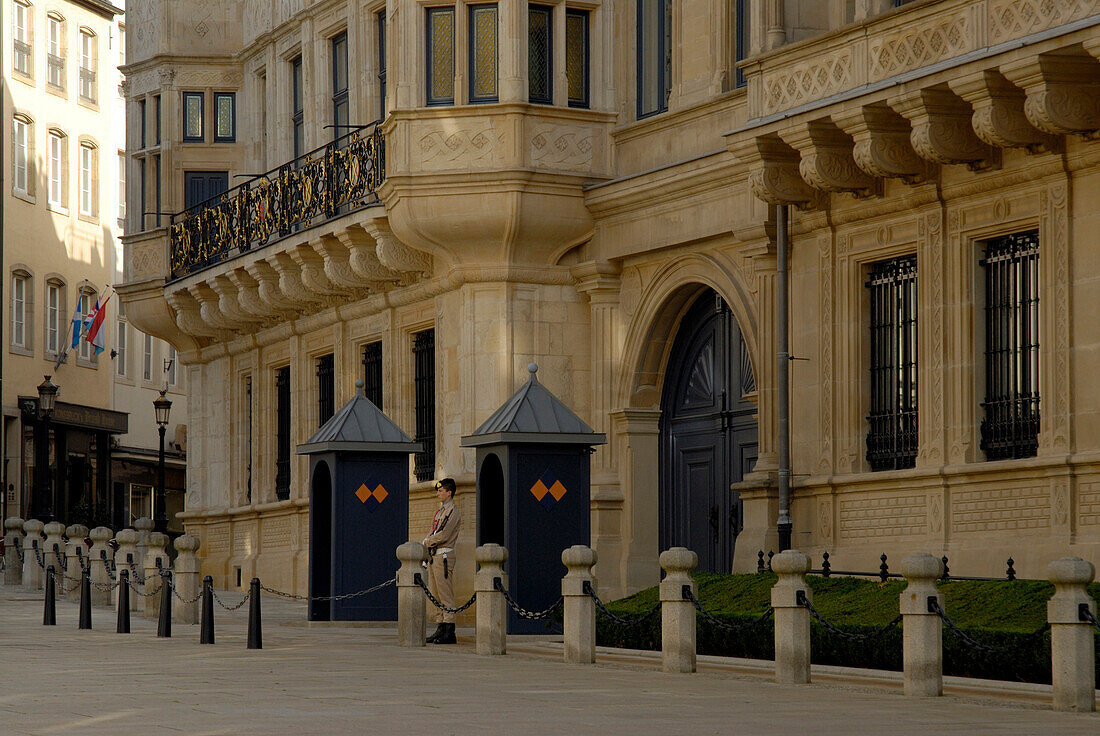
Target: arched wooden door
708 434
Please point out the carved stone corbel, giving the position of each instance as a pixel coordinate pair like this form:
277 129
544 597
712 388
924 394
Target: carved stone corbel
188 317
881 145
209 307
773 172
291 284
826 158
363 258
249 299
999 117
942 130
338 267
312 270
394 254
267 283
1063 94
229 303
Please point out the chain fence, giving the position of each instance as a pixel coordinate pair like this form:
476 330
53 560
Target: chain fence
1085 614
498 585
228 607
627 621
419 580
934 607
333 598
804 601
740 626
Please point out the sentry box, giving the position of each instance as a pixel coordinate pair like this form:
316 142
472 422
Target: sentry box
533 490
358 511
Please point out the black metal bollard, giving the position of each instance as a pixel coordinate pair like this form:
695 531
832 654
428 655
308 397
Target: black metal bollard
760 561
123 626
164 626
85 601
206 625
255 635
49 614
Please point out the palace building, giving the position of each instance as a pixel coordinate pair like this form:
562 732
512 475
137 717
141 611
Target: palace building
429 195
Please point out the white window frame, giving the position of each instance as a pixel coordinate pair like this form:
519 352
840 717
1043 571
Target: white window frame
19 33
19 133
53 318
147 359
57 155
19 284
171 366
87 183
84 352
121 186
54 36
88 52
122 334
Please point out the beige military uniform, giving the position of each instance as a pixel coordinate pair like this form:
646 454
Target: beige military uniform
441 570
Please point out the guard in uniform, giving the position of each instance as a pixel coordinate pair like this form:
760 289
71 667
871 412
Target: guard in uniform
446 525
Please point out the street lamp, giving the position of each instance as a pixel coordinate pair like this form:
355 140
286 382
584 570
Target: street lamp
161 407
47 396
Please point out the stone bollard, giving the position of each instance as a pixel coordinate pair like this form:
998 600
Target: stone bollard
33 573
922 630
99 556
186 577
677 612
144 527
71 583
154 553
124 555
792 619
579 611
13 539
54 549
410 598
491 608
1072 646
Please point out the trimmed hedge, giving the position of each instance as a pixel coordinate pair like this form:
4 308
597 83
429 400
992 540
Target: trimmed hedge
995 613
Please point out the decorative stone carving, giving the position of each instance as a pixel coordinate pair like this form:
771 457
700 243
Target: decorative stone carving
338 267
209 307
942 35
773 172
229 303
312 272
291 283
1010 19
999 117
821 76
881 144
942 131
827 161
363 257
1063 94
167 76
394 254
188 318
267 282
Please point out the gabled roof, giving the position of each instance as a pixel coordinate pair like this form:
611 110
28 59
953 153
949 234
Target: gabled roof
533 415
359 426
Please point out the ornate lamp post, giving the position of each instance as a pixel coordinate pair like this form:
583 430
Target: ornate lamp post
47 396
161 407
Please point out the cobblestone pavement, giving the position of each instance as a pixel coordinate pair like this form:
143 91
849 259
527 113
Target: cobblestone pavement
325 679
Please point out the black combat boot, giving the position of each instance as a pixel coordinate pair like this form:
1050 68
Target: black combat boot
448 636
434 638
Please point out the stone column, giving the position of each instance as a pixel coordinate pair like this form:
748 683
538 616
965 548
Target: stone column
492 610
410 598
677 614
579 623
55 546
792 619
99 556
124 555
922 629
154 554
76 534
186 574
1072 645
33 574
13 539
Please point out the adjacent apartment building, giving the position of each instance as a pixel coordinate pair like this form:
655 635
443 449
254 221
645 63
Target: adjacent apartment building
429 195
94 461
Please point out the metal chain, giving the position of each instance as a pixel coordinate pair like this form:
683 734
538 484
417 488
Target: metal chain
84 567
19 551
719 623
134 574
144 594
1086 615
523 612
804 601
107 564
38 555
934 607
345 596
62 559
232 608
435 601
621 620
104 586
172 586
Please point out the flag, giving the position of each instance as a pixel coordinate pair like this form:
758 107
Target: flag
78 324
95 333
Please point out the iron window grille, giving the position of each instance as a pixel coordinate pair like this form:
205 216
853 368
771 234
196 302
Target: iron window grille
424 359
55 71
282 436
540 54
577 57
892 435
1010 427
372 372
326 389
87 85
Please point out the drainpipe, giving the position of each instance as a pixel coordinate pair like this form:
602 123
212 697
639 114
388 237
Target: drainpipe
783 379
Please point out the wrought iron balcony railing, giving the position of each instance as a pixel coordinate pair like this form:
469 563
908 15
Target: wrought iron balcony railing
331 181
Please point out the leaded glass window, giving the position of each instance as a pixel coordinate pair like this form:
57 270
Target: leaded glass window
483 53
654 56
193 116
1010 428
540 53
892 434
225 117
441 56
576 57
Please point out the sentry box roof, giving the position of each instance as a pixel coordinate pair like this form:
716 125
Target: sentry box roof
359 426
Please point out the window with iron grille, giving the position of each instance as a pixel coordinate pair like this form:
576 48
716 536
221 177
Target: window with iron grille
372 372
326 389
1010 428
282 433
424 358
892 435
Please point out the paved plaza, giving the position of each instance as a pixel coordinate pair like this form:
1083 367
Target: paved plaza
328 679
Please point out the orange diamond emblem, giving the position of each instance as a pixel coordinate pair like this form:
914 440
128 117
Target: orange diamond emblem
380 493
363 493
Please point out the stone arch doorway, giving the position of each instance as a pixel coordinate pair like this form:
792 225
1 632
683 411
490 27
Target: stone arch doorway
708 433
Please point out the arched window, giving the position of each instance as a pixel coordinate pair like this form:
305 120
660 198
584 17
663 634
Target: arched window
87 302
22 18
89 179
57 172
55 51
22 135
22 310
55 327
89 60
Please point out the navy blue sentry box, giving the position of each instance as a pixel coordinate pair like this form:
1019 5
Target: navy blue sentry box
533 491
358 511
